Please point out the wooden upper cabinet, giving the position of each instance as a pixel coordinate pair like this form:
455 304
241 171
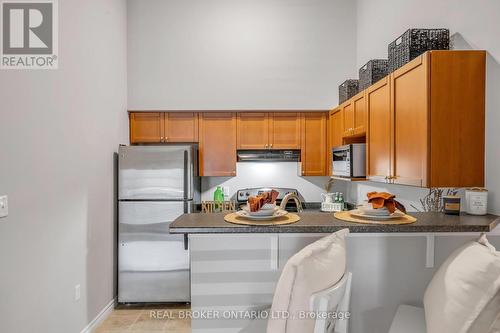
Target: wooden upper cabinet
335 133
438 103
146 127
354 115
409 98
181 127
336 129
360 115
284 130
314 144
348 118
379 131
264 130
161 127
217 148
253 130
431 132
457 155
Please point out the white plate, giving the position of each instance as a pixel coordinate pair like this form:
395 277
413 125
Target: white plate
369 210
261 212
359 213
246 215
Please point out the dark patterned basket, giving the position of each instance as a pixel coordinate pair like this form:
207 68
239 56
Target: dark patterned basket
414 42
347 89
371 72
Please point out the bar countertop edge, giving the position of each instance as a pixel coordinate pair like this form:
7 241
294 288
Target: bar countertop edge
317 222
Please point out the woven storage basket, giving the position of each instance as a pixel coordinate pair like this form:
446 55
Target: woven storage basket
371 72
414 42
348 89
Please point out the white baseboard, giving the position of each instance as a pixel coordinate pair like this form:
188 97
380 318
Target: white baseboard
101 316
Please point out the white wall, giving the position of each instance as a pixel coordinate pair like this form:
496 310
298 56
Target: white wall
473 25
278 174
239 54
58 132
245 54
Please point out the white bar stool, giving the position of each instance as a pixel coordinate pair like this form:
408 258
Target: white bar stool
335 299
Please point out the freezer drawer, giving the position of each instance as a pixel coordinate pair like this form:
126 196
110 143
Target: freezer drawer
153 271
156 172
153 265
168 286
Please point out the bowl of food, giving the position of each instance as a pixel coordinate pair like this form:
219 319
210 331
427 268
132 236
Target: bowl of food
381 204
263 204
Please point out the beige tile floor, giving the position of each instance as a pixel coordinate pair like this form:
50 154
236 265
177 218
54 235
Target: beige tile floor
156 319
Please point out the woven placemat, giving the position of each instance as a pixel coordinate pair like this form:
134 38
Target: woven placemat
346 216
287 219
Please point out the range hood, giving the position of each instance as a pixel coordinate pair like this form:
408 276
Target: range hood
266 155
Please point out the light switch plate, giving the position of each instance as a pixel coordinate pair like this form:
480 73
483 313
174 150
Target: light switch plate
4 206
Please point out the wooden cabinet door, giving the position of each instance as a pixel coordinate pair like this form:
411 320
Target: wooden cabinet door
336 129
217 146
284 130
146 127
335 133
181 127
253 130
457 91
314 144
348 118
379 131
359 105
409 97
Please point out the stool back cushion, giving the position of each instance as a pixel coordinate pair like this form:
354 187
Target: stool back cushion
318 266
462 295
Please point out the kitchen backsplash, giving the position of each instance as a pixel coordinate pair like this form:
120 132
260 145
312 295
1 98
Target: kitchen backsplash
409 196
286 174
278 174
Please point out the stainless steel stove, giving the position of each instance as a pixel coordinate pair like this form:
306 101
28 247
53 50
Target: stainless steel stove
243 194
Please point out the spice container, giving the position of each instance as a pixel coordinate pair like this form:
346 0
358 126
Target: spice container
451 204
476 201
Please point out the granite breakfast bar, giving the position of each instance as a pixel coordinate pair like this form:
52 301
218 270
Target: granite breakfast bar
236 267
318 222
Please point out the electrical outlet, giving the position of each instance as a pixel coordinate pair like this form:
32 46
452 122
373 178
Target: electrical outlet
225 190
4 206
77 292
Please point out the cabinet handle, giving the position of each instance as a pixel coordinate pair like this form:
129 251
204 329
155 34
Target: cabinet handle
161 139
265 146
271 145
166 138
234 173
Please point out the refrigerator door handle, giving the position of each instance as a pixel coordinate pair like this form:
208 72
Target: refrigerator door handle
186 175
186 242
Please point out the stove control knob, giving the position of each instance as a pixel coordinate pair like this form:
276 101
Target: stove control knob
247 194
240 194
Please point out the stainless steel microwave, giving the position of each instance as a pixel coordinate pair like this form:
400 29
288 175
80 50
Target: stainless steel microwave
349 160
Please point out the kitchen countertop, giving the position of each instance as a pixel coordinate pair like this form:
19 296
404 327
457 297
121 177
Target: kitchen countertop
318 222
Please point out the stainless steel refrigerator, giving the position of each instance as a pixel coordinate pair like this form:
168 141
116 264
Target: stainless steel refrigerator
156 184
